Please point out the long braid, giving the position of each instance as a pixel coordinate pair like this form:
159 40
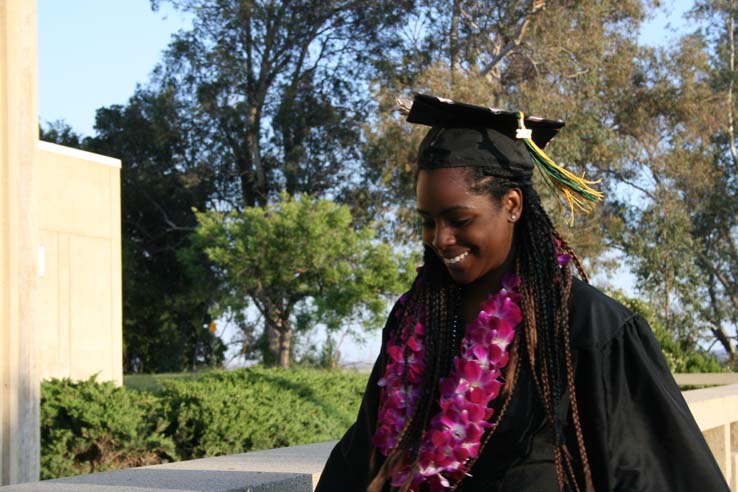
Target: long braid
434 301
439 323
414 307
545 289
542 299
572 389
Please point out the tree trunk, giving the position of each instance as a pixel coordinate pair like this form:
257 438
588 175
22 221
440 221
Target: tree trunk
285 338
715 318
724 340
666 300
260 185
731 67
272 334
454 43
279 336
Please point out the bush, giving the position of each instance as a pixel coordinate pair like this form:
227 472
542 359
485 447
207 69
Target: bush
89 426
231 412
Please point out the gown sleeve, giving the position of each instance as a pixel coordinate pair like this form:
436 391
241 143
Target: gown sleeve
348 467
639 431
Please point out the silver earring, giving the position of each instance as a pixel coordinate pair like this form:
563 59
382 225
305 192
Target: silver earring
513 216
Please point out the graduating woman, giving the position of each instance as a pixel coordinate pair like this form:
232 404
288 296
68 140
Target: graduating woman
500 371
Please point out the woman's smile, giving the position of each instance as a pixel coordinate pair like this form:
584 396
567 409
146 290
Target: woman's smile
456 259
471 233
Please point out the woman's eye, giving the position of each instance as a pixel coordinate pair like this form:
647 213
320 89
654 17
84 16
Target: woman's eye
458 222
427 223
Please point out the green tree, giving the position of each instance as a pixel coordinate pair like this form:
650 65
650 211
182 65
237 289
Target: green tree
680 224
300 263
61 133
165 301
715 224
273 89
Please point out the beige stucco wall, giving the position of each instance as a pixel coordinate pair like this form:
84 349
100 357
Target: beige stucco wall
60 254
80 322
19 390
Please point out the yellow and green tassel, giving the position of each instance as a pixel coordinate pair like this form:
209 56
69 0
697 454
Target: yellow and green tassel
570 189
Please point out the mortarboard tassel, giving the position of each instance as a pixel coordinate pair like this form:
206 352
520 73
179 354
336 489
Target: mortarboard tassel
570 189
404 106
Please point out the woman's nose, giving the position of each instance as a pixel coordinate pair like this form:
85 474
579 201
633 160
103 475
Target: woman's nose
442 237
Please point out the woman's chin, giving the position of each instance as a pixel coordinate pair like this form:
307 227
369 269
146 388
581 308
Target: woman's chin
460 276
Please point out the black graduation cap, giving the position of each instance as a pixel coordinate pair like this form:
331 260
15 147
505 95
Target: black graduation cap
507 143
468 135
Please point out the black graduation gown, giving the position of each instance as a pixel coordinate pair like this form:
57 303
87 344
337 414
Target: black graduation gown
639 433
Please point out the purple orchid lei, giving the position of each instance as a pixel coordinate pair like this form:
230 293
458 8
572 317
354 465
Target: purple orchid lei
454 435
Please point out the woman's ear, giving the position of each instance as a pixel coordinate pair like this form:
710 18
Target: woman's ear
512 204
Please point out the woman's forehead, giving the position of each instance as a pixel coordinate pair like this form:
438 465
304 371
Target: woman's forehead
445 189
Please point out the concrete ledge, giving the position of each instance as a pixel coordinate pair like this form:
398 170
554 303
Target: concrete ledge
706 379
79 154
294 469
713 407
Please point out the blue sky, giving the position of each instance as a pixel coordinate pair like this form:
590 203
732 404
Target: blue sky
93 53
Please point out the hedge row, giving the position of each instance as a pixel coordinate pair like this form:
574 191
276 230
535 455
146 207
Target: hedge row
88 426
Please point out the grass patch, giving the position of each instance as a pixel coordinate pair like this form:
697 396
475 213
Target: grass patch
689 387
154 383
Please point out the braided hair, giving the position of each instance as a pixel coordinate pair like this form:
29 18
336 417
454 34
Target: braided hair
546 342
543 343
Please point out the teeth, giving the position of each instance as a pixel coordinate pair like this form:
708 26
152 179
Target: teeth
456 259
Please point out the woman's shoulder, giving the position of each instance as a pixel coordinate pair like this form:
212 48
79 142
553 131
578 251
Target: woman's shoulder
594 317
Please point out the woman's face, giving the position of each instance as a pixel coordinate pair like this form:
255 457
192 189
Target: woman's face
471 233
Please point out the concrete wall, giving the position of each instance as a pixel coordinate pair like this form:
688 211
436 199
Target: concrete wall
19 388
295 469
60 258
716 412
80 323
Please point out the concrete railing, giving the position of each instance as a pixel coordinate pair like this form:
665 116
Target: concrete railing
716 412
294 469
298 468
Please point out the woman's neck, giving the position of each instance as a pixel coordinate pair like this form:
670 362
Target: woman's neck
475 293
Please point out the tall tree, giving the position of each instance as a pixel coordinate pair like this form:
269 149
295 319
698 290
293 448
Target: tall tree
276 90
717 226
679 225
166 301
273 93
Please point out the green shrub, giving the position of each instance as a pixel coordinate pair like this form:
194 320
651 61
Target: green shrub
88 426
230 412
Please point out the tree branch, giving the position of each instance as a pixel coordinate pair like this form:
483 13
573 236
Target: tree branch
731 48
728 287
537 6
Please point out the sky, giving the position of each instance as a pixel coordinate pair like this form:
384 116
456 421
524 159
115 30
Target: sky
93 53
